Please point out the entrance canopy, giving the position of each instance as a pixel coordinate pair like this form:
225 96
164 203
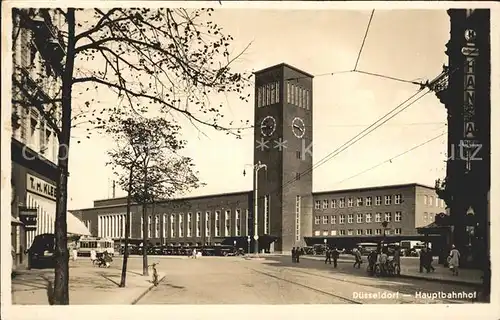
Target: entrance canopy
76 226
433 228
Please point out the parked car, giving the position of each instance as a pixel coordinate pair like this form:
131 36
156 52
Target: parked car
41 252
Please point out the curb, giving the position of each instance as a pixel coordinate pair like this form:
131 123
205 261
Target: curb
147 291
446 281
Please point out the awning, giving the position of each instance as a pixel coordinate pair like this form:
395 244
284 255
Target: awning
76 226
433 228
15 221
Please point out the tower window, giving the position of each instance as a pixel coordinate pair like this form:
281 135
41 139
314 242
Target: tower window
300 98
273 93
307 99
297 175
296 95
277 92
288 93
259 97
298 154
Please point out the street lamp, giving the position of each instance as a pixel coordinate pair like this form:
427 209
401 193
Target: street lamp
256 168
248 240
384 225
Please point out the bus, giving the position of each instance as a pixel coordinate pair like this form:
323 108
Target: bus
367 247
99 245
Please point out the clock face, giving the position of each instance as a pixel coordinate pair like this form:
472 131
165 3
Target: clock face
268 126
298 127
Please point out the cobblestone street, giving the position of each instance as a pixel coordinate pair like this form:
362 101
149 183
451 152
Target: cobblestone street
276 280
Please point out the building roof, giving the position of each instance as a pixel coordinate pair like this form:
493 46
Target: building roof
175 199
394 186
284 65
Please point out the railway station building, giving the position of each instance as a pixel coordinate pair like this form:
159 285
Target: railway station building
289 214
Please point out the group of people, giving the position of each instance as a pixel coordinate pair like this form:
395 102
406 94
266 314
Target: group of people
296 253
103 260
380 257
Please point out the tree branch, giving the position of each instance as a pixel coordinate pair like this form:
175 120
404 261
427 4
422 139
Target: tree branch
147 96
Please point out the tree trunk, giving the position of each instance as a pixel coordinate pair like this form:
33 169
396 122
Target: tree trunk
145 230
127 231
61 277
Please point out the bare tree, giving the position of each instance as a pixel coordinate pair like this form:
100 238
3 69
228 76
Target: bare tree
151 169
169 61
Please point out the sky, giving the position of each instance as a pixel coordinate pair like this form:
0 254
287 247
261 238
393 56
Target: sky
407 44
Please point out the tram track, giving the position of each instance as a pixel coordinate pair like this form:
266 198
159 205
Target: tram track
270 275
403 291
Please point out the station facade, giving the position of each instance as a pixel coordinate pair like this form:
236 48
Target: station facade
289 214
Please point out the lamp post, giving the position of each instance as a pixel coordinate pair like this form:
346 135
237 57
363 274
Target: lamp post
248 240
256 168
384 225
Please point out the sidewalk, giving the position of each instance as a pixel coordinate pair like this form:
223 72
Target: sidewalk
88 285
410 269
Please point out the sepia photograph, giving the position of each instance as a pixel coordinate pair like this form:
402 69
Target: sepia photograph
216 154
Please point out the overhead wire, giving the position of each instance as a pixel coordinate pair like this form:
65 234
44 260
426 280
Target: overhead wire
393 158
353 140
429 85
364 39
376 123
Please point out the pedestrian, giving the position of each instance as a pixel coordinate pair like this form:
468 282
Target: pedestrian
428 261
358 259
397 260
422 258
194 253
297 254
93 256
335 255
328 256
383 261
372 261
294 255
107 258
75 253
454 260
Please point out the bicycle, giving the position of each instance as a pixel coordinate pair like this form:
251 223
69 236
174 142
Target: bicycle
155 274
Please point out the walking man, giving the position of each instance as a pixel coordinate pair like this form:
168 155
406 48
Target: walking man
357 256
423 257
335 254
294 255
328 254
397 260
297 254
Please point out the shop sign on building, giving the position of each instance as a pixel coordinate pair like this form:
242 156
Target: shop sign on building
40 187
470 52
28 217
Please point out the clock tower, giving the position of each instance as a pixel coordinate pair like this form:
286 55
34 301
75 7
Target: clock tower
283 142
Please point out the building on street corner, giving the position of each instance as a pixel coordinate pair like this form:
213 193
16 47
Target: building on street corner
34 147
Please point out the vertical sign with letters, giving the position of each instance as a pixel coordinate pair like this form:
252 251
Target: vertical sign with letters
470 52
